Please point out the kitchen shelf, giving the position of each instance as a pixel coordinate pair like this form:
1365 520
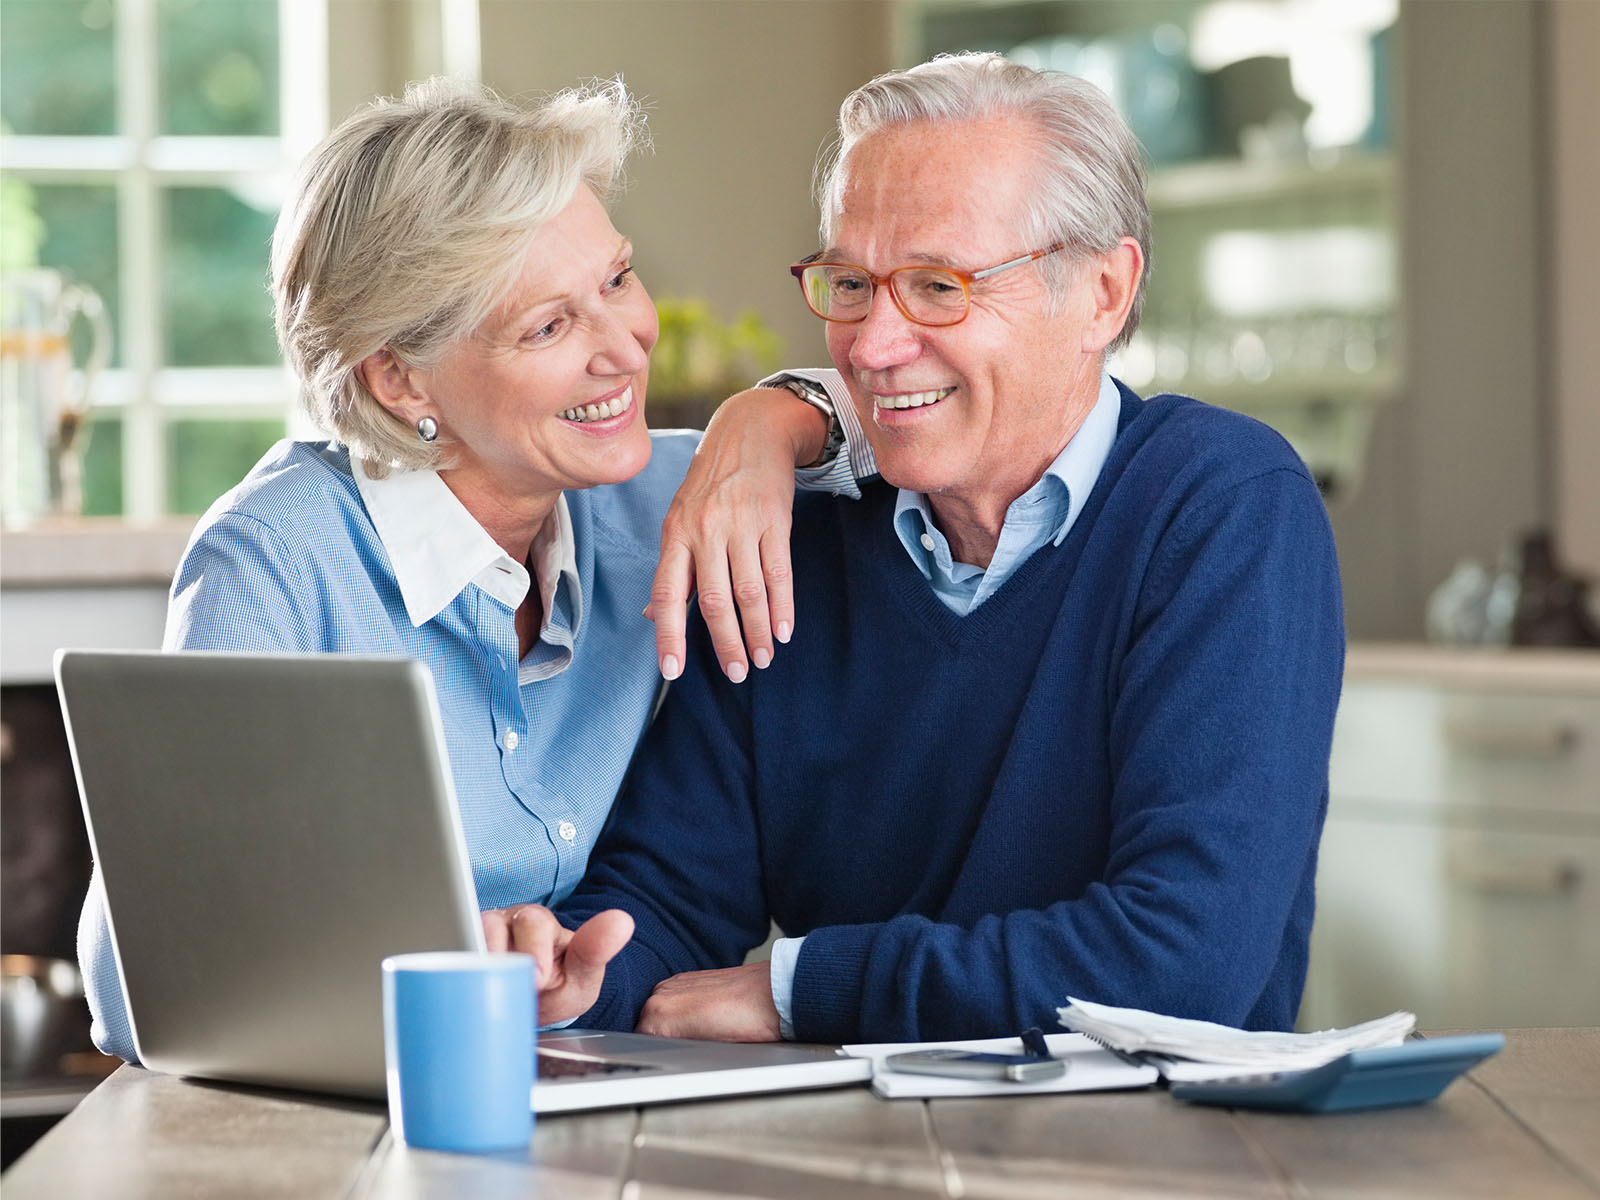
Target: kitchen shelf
1289 390
1223 183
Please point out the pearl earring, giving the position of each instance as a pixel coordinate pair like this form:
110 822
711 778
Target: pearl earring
427 429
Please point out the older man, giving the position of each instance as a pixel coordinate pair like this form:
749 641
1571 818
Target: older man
1058 718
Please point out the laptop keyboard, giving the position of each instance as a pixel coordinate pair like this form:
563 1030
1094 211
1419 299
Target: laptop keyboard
553 1067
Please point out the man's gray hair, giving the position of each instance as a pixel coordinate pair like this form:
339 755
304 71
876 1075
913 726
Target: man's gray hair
408 227
1091 179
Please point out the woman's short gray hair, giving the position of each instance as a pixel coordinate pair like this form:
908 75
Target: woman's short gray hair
407 228
1091 176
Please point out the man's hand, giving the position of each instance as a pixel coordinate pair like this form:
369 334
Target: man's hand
569 964
730 1005
727 532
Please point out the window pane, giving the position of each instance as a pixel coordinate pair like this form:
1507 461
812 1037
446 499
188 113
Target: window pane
80 237
56 66
102 467
214 280
219 66
206 458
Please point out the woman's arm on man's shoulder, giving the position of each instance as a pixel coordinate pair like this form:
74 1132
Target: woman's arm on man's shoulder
726 534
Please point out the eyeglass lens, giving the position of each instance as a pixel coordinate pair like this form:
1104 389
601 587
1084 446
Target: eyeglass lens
925 294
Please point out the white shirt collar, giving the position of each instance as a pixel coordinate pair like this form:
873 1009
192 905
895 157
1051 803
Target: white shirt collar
437 548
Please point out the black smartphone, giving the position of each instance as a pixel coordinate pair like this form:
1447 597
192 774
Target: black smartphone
973 1064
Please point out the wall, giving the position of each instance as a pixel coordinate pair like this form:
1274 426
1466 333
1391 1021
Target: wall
1572 45
375 47
1459 462
741 96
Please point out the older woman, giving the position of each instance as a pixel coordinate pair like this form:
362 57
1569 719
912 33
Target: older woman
465 322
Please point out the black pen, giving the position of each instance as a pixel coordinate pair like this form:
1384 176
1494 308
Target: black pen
1034 1044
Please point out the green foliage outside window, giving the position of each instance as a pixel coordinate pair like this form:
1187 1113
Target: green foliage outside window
206 458
21 229
57 66
214 280
102 468
219 67
79 227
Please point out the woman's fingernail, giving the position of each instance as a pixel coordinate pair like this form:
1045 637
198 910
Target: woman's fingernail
762 656
783 631
669 667
735 671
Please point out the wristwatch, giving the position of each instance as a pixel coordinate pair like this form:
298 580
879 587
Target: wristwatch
817 396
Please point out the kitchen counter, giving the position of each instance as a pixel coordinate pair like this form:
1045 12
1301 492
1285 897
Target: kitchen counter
1481 668
99 582
1521 1124
92 550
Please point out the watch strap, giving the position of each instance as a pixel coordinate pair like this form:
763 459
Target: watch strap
817 396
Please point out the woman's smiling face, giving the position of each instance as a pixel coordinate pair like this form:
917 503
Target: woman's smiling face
548 394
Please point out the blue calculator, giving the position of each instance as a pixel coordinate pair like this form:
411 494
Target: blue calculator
1388 1077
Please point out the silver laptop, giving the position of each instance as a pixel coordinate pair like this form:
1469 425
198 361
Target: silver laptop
268 829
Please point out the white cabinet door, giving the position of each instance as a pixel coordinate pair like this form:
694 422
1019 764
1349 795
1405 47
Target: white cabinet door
1459 875
1466 927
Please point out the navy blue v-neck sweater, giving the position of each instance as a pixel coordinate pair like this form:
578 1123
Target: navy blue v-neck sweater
1108 781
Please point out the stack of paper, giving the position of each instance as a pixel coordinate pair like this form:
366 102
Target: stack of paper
1183 1049
1090 1068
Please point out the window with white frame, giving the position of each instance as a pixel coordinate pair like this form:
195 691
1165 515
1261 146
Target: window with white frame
145 150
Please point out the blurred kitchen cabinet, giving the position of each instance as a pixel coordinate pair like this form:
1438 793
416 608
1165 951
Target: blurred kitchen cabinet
1459 875
1273 292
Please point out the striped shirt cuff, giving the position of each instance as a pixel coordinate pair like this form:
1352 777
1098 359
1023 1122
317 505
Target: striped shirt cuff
842 473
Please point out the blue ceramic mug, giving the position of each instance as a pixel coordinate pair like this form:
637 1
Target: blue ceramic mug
459 1034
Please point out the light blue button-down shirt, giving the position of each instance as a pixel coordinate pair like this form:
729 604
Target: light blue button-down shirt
1045 513
309 555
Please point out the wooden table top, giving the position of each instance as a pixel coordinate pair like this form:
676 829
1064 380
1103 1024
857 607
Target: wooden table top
1524 1124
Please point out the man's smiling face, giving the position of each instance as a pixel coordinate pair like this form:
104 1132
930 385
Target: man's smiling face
976 411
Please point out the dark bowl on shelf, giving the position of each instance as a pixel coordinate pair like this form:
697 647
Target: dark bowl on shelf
42 1015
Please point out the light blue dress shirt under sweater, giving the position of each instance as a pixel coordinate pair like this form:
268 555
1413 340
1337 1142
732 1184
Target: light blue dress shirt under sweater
1044 513
309 555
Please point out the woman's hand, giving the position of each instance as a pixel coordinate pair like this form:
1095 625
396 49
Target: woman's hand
727 532
569 964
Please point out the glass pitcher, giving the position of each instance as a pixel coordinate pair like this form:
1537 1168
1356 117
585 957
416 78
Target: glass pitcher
44 393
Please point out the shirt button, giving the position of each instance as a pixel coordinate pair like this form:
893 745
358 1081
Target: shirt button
567 830
927 541
512 739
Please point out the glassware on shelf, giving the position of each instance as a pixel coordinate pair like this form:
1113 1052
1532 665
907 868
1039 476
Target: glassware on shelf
1250 357
1179 348
44 393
